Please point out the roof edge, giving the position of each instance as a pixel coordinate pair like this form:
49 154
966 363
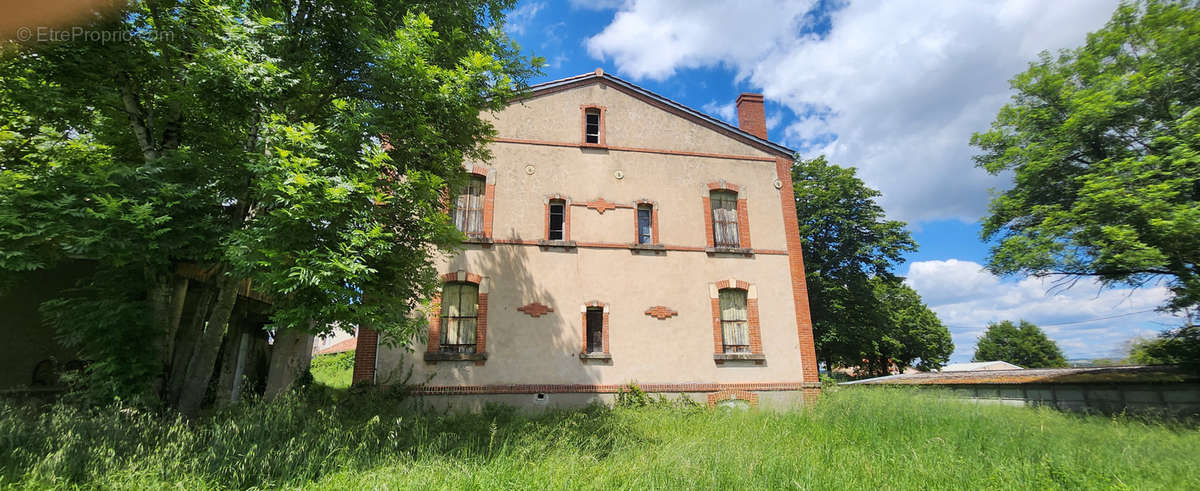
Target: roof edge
599 75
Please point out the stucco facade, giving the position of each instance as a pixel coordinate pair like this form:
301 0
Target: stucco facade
661 315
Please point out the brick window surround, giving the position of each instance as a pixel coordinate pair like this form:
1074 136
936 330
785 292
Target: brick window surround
639 204
489 199
583 349
743 215
583 111
725 395
432 353
566 202
752 319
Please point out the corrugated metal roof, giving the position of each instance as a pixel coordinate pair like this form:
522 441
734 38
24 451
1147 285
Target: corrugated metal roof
1132 374
600 75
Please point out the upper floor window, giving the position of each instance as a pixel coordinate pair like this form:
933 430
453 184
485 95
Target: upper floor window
556 221
735 330
724 218
591 132
459 318
645 224
467 208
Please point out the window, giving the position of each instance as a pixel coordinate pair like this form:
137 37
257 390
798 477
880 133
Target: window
591 125
558 209
467 209
724 218
460 315
595 330
645 224
735 330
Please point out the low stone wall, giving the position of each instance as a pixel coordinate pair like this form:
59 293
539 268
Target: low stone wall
1180 399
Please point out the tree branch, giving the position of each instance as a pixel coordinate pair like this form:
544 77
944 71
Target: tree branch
137 117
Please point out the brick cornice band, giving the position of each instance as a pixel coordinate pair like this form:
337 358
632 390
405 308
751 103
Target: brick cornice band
607 388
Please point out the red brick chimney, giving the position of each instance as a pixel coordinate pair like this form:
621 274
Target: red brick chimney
751 116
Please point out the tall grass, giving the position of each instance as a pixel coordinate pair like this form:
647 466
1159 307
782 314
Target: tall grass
855 439
334 370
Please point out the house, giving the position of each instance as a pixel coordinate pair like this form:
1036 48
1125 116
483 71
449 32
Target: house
616 237
980 365
336 341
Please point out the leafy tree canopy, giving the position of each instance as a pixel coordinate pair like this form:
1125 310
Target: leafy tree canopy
1103 143
1021 344
862 315
298 147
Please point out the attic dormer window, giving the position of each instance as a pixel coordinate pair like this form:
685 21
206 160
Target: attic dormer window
593 125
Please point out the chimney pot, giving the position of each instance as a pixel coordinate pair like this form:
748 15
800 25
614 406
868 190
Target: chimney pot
752 118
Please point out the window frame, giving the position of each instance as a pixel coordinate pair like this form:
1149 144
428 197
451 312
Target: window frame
438 323
600 134
585 351
645 231
725 230
446 320
728 322
473 219
753 330
562 219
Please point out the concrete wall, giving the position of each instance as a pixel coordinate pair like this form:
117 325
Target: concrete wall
516 272
1180 399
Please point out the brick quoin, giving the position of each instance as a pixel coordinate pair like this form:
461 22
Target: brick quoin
787 196
708 223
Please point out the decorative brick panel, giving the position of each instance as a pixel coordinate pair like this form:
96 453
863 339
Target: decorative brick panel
787 196
600 205
725 395
365 356
660 312
535 309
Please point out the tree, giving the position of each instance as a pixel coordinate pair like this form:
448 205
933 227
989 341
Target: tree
850 251
1103 142
1173 347
911 334
1024 345
298 147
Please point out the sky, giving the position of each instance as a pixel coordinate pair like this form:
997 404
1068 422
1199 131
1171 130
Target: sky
893 88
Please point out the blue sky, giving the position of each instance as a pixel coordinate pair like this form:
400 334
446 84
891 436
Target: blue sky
892 88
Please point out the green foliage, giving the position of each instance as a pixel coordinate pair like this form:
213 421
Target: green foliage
1103 143
864 438
299 146
1024 345
1173 347
334 370
862 315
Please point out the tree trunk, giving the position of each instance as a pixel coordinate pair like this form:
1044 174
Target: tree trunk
204 355
158 295
290 358
185 343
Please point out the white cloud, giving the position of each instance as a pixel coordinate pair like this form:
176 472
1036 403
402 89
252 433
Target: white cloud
724 112
902 84
967 298
520 18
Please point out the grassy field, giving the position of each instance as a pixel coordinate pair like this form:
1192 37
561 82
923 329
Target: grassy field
852 439
334 370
